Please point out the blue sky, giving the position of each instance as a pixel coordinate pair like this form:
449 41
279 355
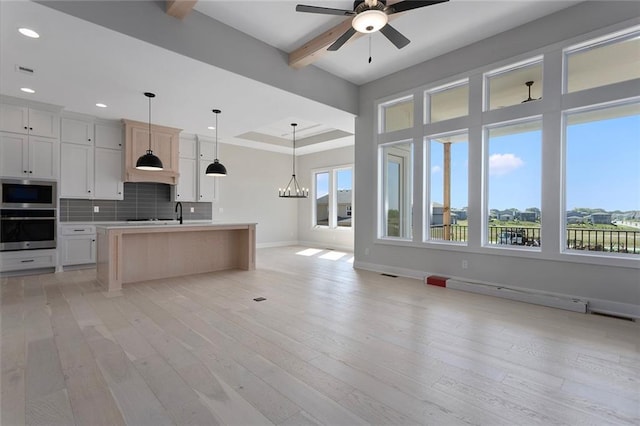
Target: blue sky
343 178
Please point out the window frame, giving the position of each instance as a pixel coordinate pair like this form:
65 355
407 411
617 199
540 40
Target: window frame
332 198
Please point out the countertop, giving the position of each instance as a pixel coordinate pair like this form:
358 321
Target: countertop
174 225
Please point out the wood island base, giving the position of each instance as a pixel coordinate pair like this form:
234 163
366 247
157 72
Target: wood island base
128 254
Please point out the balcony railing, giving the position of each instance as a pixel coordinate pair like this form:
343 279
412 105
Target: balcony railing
605 240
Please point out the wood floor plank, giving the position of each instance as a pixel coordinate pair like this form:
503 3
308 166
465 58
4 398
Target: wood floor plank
330 345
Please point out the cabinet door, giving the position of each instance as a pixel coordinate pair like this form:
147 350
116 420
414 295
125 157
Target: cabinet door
163 146
76 174
14 155
77 131
14 118
78 250
44 123
43 157
207 150
186 188
206 184
108 174
108 136
187 148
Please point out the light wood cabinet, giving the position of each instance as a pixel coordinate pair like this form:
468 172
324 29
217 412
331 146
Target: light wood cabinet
25 156
76 175
164 144
21 119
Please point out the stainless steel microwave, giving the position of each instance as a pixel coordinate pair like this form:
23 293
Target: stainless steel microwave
27 194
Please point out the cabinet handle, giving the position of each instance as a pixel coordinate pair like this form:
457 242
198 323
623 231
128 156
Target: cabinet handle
30 128
89 139
89 191
30 171
93 241
27 261
24 171
25 127
78 230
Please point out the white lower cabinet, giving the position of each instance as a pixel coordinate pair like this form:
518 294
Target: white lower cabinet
27 259
77 244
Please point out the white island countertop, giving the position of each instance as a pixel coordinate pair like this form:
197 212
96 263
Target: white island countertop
169 224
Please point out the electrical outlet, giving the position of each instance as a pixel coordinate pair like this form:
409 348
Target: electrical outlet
96 209
465 264
192 209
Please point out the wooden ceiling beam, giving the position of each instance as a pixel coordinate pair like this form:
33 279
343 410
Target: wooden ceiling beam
315 48
180 8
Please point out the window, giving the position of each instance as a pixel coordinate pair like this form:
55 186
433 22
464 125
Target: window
516 84
333 198
447 102
396 115
602 184
514 167
590 64
321 202
448 182
397 189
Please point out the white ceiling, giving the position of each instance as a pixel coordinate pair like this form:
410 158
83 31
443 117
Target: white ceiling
78 63
433 30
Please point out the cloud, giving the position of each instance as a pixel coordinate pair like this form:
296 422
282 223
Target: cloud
436 169
502 164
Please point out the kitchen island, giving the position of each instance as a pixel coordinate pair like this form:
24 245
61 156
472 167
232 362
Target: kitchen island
133 253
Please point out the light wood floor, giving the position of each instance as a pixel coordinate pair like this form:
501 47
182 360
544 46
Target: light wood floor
330 345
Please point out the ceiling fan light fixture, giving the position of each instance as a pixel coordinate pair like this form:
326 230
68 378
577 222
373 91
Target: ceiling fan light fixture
369 21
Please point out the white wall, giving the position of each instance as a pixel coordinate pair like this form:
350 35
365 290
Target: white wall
308 234
610 288
250 193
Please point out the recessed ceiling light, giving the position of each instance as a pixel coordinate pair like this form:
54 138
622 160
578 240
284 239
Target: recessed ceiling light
99 105
28 32
211 128
27 90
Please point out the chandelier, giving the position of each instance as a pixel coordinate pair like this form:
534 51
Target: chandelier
293 188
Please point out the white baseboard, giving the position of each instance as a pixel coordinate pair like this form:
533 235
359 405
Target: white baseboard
626 310
385 269
320 245
554 301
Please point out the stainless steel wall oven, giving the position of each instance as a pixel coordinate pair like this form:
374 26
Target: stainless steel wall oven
27 215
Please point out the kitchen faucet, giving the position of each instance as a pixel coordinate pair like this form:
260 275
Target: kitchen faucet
179 204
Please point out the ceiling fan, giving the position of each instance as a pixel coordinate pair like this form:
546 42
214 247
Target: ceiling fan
370 16
529 99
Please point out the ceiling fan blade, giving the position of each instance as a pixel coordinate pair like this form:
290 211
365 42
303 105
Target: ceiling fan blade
342 39
324 10
394 36
405 5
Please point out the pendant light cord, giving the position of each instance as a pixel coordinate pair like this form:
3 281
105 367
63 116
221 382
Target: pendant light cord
149 123
293 161
216 136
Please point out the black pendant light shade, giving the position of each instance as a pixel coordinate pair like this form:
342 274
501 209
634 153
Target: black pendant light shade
149 161
216 168
293 188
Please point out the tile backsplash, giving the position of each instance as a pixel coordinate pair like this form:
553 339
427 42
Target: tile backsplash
141 201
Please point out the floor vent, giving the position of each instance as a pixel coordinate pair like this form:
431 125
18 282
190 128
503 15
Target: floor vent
389 275
259 299
620 317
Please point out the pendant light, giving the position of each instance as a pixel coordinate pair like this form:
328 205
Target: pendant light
293 189
149 161
216 168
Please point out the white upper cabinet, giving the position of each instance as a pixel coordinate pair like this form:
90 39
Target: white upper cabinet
108 174
25 156
108 136
206 184
20 119
77 131
76 175
207 150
